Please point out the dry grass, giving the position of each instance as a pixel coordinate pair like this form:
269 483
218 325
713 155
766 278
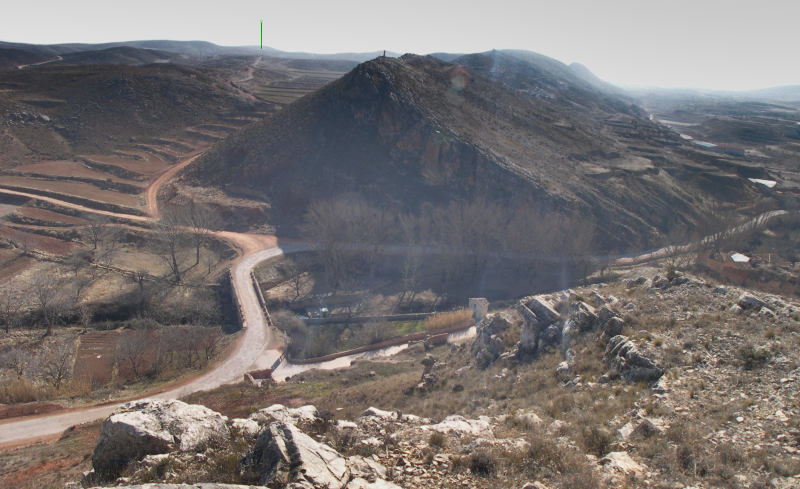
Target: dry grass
446 319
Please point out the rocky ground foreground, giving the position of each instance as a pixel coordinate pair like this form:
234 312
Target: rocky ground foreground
655 381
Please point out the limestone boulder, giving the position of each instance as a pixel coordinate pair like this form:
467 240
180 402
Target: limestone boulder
284 455
749 301
459 425
583 315
544 309
629 362
304 416
148 427
613 327
621 463
489 343
366 468
537 313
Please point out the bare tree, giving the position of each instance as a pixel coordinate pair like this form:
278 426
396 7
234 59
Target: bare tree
78 260
132 350
469 233
172 236
56 364
50 300
201 220
85 314
140 277
208 339
10 309
290 269
95 231
678 250
15 359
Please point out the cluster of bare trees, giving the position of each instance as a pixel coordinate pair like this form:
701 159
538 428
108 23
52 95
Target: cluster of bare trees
61 295
47 368
182 233
721 230
148 353
458 242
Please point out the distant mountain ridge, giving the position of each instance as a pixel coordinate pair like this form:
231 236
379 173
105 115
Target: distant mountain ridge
40 52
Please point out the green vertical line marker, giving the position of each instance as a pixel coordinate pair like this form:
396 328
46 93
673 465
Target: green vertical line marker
262 34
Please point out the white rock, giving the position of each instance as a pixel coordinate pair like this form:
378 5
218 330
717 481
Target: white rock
461 425
366 468
379 413
302 416
623 463
346 425
151 426
246 427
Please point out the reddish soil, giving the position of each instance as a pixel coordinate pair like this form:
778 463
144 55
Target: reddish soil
95 358
11 264
38 242
71 169
153 188
148 166
51 462
79 189
29 409
44 215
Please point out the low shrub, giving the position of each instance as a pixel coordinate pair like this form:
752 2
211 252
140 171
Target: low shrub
482 463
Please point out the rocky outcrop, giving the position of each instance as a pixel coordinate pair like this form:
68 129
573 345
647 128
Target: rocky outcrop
285 455
431 374
489 343
621 463
303 417
749 301
146 427
628 362
457 424
613 327
537 313
583 315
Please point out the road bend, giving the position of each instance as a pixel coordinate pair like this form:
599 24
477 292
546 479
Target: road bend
259 346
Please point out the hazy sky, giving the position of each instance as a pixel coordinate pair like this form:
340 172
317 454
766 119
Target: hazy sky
724 44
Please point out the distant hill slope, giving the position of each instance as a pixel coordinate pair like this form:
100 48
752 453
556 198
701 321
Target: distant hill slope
192 49
54 110
550 80
121 55
412 130
11 58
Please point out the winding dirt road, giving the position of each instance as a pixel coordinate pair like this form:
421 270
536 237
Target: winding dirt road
258 345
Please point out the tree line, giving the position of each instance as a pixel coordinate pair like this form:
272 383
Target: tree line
458 243
61 296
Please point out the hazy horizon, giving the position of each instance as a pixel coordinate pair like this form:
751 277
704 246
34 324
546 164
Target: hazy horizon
681 44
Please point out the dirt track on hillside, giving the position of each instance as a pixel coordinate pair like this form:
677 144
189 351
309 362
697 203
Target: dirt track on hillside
257 345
